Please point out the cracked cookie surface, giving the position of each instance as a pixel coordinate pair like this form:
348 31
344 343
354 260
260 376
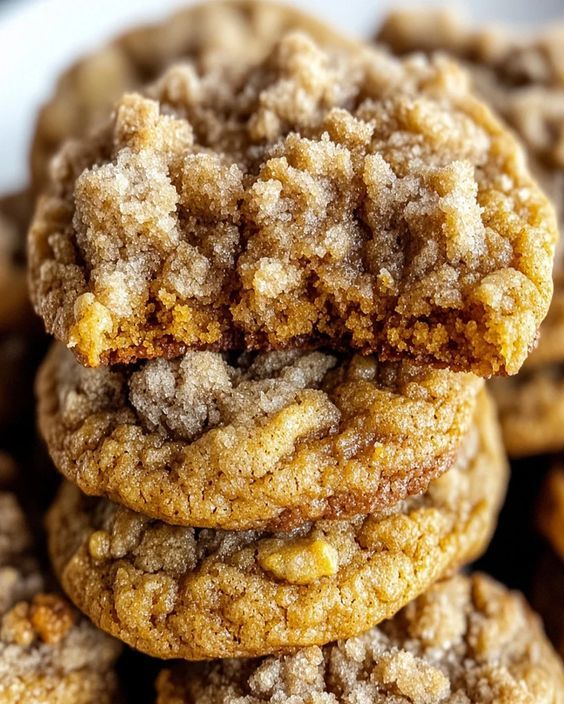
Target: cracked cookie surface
467 639
48 653
260 441
86 91
177 592
321 196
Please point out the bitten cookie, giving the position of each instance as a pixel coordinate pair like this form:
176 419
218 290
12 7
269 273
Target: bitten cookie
522 78
338 197
197 594
255 441
467 639
48 653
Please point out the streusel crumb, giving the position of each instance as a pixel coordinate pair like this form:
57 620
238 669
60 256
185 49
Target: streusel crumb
521 75
201 33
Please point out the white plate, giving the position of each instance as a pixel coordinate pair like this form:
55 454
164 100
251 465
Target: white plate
38 38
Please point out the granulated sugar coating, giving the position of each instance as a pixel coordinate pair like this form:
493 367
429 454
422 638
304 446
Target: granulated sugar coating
263 440
48 653
318 197
522 77
466 640
197 594
85 93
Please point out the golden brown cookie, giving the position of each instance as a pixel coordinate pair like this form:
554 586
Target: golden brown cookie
261 441
48 653
341 197
522 77
467 639
86 91
177 592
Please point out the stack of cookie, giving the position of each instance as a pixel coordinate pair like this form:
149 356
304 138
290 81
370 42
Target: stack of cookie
278 279
522 78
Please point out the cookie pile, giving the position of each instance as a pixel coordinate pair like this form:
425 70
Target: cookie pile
278 274
522 78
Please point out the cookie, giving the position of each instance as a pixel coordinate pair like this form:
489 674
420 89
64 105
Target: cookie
531 410
467 639
261 441
48 653
87 90
343 197
522 77
176 592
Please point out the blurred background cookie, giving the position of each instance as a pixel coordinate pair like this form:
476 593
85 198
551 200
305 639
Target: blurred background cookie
48 653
